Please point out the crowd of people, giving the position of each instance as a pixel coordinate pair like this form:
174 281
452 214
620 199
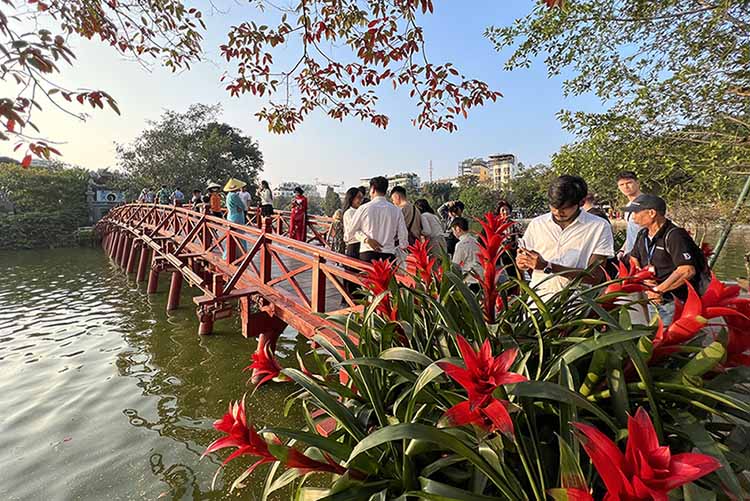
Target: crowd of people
235 205
573 240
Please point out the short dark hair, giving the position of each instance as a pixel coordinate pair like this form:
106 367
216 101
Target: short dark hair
299 190
196 191
379 184
461 222
457 205
503 203
567 190
400 190
627 174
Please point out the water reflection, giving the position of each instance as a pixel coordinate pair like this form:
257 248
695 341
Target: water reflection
118 397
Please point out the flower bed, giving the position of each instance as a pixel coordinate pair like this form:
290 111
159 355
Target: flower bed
453 396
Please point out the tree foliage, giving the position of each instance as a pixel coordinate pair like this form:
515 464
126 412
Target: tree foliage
529 189
188 149
331 202
38 189
34 45
675 76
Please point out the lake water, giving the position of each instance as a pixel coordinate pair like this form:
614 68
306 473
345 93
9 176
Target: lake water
105 396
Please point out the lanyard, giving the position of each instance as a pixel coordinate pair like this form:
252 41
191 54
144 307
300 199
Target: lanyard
649 250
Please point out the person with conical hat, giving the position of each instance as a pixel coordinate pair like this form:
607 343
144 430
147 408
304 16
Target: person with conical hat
214 199
235 205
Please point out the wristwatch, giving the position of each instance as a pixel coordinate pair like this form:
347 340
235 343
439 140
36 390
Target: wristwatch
548 269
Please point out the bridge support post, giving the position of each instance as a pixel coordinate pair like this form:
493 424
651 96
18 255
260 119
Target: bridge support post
153 276
140 275
125 252
118 247
131 257
175 287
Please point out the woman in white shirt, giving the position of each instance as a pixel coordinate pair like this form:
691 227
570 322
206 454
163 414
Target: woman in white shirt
352 201
432 229
266 199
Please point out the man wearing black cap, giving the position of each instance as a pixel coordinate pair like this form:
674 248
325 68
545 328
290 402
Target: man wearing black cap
669 251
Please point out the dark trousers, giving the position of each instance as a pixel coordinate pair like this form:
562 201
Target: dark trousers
451 242
352 250
266 210
370 256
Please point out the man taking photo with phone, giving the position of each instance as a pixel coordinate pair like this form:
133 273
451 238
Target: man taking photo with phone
563 243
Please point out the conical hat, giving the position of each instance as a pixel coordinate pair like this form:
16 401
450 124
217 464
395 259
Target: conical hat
234 184
211 185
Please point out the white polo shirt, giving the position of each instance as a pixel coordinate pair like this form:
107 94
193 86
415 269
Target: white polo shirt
571 247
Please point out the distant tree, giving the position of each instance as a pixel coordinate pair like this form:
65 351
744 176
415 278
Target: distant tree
529 189
189 149
42 190
438 193
478 199
331 202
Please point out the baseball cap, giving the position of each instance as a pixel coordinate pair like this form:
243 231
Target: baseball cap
645 202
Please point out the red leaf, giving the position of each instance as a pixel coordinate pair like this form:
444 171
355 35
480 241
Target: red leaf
11 125
26 162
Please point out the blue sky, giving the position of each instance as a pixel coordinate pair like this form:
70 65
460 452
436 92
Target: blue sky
523 122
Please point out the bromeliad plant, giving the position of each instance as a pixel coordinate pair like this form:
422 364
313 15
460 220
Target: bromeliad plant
437 401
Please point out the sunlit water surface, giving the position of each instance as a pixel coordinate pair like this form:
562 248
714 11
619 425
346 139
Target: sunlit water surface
105 396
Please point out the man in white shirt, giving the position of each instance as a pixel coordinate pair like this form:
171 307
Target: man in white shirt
377 225
245 197
563 243
627 182
465 255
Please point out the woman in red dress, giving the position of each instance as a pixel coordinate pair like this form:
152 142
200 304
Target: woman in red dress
298 220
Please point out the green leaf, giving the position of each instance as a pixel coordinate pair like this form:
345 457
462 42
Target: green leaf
595 343
444 491
337 449
332 406
406 355
552 391
414 431
706 360
571 475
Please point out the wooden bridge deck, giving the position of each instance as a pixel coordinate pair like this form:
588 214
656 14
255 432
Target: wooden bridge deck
277 281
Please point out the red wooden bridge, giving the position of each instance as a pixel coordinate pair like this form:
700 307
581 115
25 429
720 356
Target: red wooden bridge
276 280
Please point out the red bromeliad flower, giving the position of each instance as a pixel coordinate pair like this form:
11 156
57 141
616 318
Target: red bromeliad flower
647 470
631 278
378 281
239 435
687 321
491 416
738 343
264 366
719 299
491 247
483 373
421 261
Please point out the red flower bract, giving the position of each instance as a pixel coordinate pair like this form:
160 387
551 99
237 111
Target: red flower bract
421 261
378 281
647 470
491 416
687 321
491 247
239 435
483 373
631 278
264 366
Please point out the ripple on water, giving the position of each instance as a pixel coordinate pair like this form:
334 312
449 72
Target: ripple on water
106 395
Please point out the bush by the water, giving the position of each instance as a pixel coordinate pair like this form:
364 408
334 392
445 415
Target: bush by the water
41 207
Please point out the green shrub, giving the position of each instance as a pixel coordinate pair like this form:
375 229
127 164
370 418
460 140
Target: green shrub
39 230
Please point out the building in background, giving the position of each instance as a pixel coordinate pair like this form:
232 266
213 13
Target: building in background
408 180
476 167
502 167
286 190
498 170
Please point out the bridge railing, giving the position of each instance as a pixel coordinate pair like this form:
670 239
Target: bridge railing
301 272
